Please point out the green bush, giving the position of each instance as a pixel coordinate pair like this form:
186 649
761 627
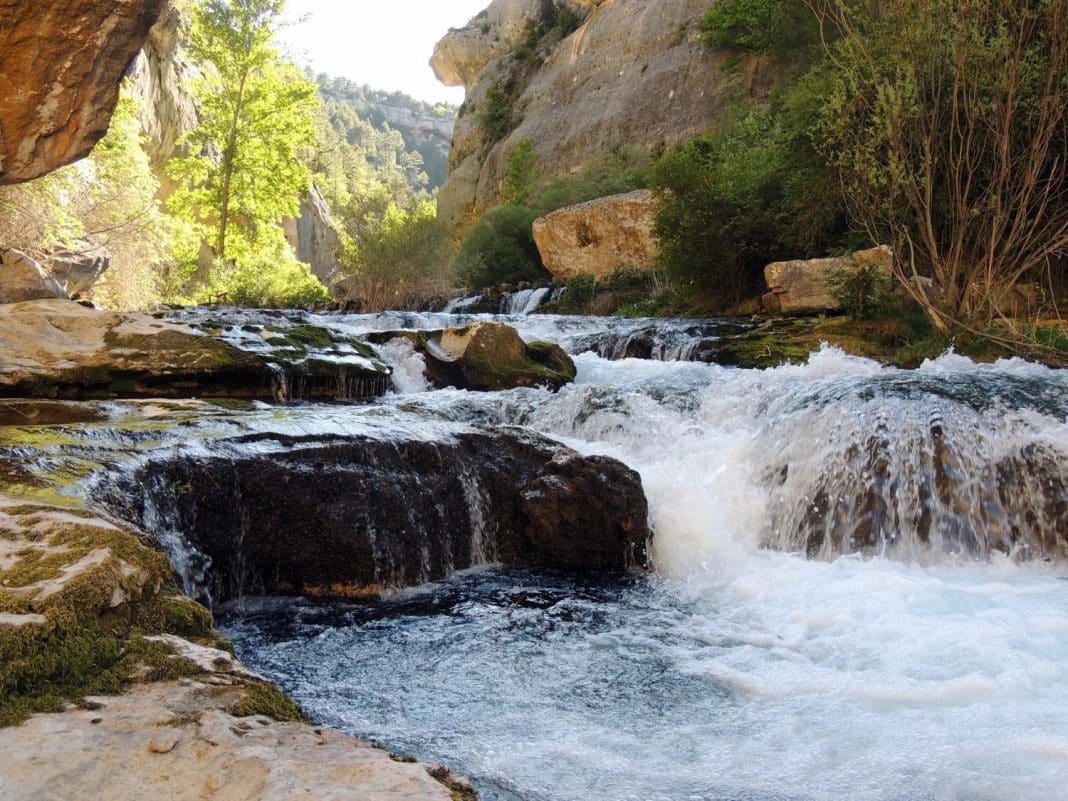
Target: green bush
578 295
500 249
779 27
862 292
752 194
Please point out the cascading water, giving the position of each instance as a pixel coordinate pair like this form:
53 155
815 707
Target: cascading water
859 588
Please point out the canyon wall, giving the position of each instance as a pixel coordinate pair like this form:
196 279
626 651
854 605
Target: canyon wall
633 74
61 65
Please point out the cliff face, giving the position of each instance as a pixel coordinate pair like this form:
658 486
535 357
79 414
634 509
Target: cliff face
634 73
61 65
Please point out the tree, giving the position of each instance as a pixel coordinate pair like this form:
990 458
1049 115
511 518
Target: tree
947 125
244 175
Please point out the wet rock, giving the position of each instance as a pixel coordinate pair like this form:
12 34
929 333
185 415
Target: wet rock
490 357
23 278
600 237
276 516
58 349
62 65
803 286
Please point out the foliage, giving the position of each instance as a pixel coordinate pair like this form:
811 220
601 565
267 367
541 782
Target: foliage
271 277
614 172
861 292
500 249
754 193
779 27
496 114
108 199
403 262
243 176
521 174
947 124
578 294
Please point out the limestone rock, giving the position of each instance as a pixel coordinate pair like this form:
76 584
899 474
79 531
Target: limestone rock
464 52
599 237
61 66
634 74
491 357
176 741
55 348
159 77
23 278
801 286
314 237
78 266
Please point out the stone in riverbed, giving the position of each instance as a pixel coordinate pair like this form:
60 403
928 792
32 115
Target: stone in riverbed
487 357
364 514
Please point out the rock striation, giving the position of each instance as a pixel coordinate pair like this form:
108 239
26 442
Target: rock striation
804 286
61 65
634 74
315 239
599 237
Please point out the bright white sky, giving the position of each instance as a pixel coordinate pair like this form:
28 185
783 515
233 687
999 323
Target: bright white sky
384 44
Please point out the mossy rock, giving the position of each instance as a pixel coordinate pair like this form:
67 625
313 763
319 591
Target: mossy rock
491 357
264 698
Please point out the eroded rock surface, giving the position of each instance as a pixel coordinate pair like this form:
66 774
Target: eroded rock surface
804 285
355 516
599 237
23 278
61 66
59 349
634 74
314 237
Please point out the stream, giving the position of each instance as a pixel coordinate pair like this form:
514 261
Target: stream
859 588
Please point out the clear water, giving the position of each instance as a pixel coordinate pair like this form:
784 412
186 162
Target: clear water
931 664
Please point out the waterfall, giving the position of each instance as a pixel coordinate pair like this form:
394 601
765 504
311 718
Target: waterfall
461 305
523 302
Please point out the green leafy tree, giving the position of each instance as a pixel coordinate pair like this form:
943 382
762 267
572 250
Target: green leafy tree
947 124
521 175
244 175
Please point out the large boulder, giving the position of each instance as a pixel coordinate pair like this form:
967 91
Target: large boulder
23 278
279 515
59 349
599 237
804 286
488 357
61 66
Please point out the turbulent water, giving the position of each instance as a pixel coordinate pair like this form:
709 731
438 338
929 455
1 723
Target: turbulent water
859 591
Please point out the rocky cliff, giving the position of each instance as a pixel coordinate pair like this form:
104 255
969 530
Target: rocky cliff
633 73
61 64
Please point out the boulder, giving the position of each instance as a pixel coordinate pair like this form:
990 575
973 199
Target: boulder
77 267
273 514
23 278
59 349
61 65
599 237
492 356
803 286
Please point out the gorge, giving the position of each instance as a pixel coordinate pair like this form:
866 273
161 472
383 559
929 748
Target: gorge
489 549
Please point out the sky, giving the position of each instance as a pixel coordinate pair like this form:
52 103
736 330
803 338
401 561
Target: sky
384 44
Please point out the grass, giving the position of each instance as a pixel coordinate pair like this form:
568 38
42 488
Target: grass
264 698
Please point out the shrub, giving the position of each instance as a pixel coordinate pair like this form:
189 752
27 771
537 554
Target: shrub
521 175
861 292
403 262
780 27
500 249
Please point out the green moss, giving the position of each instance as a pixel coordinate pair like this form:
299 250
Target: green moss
233 404
267 700
302 336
